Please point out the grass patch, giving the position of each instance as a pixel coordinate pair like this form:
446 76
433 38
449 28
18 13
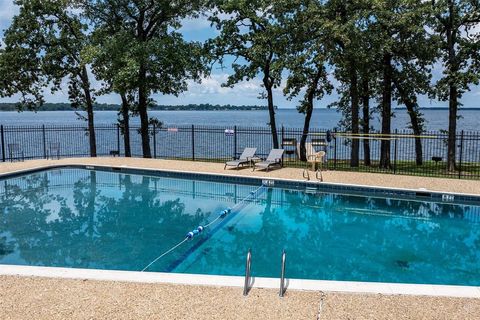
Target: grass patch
427 169
469 170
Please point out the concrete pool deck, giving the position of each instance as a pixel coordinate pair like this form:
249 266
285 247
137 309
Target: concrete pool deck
47 298
54 298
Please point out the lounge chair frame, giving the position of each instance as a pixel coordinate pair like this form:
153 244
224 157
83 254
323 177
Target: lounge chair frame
275 158
245 159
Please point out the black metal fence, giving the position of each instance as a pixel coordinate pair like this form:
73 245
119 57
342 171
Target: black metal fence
214 143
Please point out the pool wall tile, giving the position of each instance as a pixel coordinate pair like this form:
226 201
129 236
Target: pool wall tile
321 187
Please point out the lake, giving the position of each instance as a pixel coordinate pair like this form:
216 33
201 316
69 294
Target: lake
322 118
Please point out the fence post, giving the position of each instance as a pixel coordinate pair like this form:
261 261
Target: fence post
461 156
154 142
335 150
395 152
283 134
118 139
3 143
281 143
235 142
193 142
44 142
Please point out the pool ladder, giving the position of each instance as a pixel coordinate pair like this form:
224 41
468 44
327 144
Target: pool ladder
282 274
248 265
248 269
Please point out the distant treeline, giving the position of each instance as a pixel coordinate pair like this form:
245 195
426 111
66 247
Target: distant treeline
188 107
116 107
439 108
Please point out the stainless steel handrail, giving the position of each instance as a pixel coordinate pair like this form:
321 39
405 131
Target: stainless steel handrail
247 272
282 275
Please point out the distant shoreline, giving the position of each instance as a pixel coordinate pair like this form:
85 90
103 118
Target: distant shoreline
241 110
96 110
114 107
11 107
441 108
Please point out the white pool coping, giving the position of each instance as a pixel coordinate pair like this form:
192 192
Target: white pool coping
236 281
233 281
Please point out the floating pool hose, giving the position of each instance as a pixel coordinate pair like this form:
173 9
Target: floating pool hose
195 232
199 229
165 253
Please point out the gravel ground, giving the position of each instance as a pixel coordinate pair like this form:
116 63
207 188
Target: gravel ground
379 307
44 298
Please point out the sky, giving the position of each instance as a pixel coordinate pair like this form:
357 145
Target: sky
210 90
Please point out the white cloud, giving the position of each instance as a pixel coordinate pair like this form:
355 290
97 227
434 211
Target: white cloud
210 90
213 85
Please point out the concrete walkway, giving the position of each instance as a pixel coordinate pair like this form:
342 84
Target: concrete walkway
46 298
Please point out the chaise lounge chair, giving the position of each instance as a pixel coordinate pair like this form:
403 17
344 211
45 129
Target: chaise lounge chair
273 159
244 159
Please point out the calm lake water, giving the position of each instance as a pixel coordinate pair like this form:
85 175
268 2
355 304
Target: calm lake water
322 118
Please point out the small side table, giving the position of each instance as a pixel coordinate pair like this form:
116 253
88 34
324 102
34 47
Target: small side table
254 160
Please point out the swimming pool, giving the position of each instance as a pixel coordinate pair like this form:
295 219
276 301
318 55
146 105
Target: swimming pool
122 220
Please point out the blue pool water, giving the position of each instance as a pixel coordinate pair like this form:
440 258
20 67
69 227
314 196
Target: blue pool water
82 218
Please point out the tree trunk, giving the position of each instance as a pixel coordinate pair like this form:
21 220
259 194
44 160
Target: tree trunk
308 112
453 90
271 112
386 112
418 147
366 120
306 129
354 152
412 109
452 128
417 131
89 109
126 125
142 111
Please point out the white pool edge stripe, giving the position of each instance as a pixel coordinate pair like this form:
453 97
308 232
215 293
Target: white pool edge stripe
234 281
